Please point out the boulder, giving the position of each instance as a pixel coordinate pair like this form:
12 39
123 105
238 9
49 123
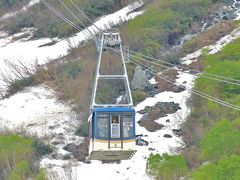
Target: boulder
167 136
140 80
228 16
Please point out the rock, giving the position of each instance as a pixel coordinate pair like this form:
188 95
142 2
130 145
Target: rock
186 38
140 80
56 143
151 89
177 89
161 109
87 161
54 156
141 142
167 136
178 132
151 114
149 124
149 74
168 120
73 148
229 16
225 8
66 157
151 149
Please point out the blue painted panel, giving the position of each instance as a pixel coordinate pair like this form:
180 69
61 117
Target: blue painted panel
112 110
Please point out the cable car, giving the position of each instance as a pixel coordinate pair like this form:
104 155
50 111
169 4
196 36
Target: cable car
112 120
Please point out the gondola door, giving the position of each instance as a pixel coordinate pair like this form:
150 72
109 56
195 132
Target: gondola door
115 132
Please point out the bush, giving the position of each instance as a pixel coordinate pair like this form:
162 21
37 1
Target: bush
41 175
166 167
138 96
18 158
222 139
19 22
20 84
46 23
163 23
82 130
213 137
41 148
227 167
21 171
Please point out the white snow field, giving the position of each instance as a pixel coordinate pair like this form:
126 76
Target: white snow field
38 112
29 51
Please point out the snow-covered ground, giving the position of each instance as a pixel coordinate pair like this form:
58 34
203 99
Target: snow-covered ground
37 111
29 51
212 49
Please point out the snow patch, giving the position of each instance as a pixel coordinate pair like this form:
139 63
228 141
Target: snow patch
17 50
212 49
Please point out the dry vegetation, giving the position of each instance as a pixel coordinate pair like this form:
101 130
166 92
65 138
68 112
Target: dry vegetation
111 63
73 78
210 36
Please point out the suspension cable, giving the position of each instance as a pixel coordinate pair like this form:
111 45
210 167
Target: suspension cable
162 76
201 94
203 75
180 66
61 16
77 18
84 14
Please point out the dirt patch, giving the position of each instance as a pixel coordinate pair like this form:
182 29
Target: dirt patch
151 114
196 66
80 152
149 124
163 85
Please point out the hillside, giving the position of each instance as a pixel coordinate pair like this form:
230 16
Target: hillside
48 70
46 23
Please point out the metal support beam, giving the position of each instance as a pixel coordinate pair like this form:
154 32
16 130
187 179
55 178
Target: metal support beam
105 38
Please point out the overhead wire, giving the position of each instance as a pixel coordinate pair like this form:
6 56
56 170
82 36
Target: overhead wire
203 75
84 14
61 16
161 76
201 94
206 74
183 67
77 18
172 65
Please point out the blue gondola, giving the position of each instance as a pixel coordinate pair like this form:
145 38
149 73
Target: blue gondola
112 125
112 133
